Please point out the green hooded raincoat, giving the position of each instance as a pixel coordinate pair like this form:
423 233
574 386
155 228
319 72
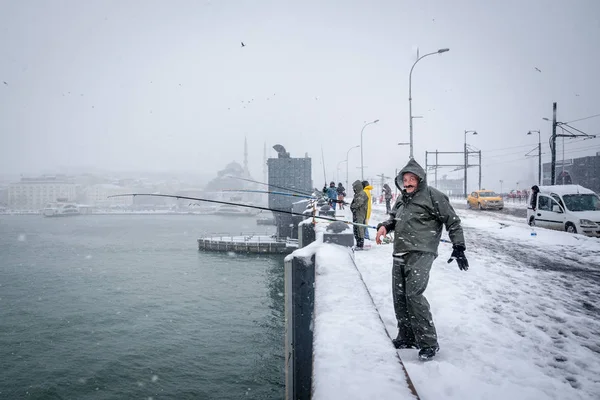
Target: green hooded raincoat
420 216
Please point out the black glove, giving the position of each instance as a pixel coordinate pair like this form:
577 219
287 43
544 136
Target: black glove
458 254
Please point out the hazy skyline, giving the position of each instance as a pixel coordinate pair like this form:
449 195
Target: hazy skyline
167 86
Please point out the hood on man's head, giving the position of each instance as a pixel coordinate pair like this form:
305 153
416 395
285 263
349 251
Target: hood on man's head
357 186
413 167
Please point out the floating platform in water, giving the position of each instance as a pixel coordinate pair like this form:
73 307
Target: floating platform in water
265 221
248 244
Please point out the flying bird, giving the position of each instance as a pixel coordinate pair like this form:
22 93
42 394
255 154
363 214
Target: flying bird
537 69
243 45
5 83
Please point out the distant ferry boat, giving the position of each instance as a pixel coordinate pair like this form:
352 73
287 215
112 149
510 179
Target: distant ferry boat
60 210
234 211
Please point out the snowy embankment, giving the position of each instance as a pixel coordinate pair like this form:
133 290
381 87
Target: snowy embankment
353 356
522 323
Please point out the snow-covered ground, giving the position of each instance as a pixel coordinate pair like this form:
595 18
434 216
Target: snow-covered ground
521 323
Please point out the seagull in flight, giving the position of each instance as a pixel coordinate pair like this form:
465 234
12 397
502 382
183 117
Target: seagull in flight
243 45
5 83
537 69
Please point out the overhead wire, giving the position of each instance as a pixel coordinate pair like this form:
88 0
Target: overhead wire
583 119
577 150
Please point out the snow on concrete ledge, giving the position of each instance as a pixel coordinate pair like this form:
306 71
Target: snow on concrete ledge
353 355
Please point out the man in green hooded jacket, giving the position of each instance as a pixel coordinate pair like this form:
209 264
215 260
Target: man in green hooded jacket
359 213
417 219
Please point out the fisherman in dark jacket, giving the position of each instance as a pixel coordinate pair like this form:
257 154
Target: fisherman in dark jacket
534 195
387 194
359 212
331 193
417 219
341 192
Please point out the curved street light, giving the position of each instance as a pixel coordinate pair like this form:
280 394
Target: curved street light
362 178
338 169
440 51
347 153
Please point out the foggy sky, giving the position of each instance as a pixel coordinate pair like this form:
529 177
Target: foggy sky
166 86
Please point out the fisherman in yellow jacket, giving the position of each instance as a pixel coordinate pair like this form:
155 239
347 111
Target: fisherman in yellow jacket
367 188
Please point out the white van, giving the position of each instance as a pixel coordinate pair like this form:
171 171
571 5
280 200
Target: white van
571 208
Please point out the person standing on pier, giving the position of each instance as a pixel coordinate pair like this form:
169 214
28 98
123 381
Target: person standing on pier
341 192
359 213
367 188
331 193
387 194
417 219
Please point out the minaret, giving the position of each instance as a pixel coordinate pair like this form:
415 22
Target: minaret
246 172
265 163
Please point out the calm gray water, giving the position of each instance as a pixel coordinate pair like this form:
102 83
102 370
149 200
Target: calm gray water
124 307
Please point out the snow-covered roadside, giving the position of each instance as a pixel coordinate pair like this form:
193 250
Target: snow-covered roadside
508 328
508 203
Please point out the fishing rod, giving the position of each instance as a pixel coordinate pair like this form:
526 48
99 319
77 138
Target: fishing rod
269 184
172 196
269 192
285 194
311 196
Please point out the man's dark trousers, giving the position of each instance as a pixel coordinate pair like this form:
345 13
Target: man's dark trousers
410 275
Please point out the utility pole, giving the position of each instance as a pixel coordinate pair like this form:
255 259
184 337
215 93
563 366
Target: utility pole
479 169
540 160
456 166
395 187
565 128
553 164
436 163
434 168
426 165
467 160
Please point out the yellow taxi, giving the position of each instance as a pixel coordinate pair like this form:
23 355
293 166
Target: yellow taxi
485 200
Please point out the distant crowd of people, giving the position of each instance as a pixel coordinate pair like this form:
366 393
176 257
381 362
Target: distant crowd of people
337 194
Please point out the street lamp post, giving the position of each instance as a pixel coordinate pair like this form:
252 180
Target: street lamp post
539 155
440 51
362 178
347 153
467 160
338 170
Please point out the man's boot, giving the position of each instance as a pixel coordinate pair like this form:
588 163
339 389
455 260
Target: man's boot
427 353
404 344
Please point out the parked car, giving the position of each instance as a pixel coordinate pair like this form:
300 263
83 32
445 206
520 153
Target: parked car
485 200
571 208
